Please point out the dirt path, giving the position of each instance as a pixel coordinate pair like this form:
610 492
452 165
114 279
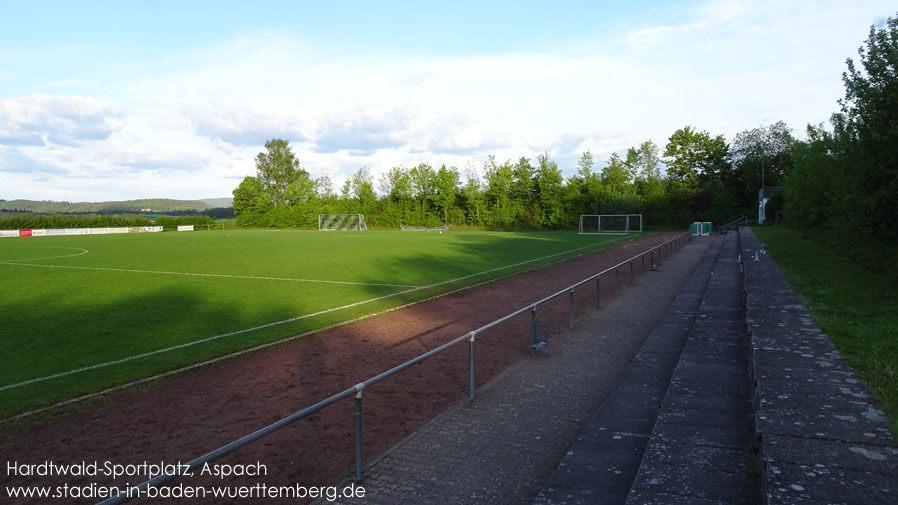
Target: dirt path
180 418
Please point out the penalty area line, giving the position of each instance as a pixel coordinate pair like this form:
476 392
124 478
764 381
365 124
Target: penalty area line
293 319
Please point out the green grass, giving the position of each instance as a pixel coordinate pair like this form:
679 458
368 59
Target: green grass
122 300
856 305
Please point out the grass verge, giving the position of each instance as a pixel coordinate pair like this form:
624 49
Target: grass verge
855 304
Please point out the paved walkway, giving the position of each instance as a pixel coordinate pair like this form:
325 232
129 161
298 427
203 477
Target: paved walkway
502 446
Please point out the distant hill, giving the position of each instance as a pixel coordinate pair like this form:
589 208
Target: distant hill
131 206
218 202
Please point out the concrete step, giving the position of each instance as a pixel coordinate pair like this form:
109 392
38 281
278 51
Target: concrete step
700 448
600 466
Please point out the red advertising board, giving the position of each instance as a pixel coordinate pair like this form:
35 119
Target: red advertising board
24 233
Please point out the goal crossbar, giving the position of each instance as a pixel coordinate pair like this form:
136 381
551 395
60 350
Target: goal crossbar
617 224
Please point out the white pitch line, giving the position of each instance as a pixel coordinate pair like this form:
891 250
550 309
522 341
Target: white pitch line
83 251
194 274
276 323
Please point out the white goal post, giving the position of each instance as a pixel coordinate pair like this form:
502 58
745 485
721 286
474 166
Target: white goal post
620 224
341 222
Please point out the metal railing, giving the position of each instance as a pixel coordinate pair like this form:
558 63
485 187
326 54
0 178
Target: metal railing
738 220
657 253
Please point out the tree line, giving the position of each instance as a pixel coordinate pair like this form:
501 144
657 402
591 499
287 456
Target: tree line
833 182
50 221
172 222
691 179
844 182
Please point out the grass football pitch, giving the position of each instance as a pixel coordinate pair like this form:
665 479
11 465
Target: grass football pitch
84 313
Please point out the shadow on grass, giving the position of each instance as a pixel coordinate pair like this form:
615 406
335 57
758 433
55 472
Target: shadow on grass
99 345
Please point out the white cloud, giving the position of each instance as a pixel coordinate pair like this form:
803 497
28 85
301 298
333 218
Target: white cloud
360 134
64 120
182 155
724 66
14 161
239 127
454 135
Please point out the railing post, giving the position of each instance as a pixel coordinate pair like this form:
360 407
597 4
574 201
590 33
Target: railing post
642 265
652 252
598 291
532 328
358 433
616 281
631 273
572 307
471 357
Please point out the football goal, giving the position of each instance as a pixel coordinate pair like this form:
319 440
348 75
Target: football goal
341 222
610 224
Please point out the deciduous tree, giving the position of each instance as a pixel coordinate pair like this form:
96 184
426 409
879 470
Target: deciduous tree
276 169
691 154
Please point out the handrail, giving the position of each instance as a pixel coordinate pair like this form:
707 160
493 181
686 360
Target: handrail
357 390
731 221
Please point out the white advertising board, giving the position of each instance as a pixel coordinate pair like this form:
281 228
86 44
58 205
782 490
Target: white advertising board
84 231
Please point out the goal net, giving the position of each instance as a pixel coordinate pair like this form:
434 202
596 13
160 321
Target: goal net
341 222
610 223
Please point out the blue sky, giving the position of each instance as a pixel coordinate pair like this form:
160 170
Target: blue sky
120 100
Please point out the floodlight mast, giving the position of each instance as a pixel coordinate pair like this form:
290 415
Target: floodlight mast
762 201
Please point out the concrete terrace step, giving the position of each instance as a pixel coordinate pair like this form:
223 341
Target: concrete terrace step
601 464
822 437
700 450
749 403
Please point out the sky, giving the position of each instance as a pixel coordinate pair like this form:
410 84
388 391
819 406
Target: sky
124 100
